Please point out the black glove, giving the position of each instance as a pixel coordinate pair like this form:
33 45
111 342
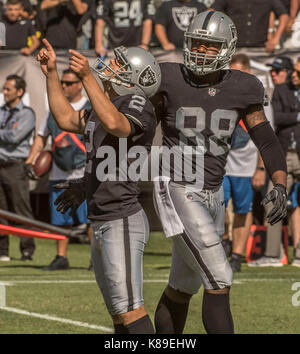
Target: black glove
72 197
278 197
30 171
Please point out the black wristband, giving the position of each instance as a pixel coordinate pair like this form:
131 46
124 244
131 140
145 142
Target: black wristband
259 168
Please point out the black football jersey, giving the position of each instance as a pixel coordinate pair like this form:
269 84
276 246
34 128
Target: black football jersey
108 155
201 120
176 17
124 19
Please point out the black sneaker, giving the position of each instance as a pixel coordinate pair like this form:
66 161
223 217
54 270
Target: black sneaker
59 263
26 257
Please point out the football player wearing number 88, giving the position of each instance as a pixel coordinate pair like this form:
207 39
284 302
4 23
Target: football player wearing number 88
201 103
120 226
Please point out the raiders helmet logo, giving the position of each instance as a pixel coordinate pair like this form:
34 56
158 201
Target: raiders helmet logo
147 77
182 16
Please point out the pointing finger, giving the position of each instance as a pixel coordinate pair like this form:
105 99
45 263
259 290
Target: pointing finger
47 44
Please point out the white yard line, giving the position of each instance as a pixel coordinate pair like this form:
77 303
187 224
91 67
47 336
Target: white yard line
57 319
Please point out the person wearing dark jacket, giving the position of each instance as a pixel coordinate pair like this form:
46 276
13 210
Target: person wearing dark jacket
286 105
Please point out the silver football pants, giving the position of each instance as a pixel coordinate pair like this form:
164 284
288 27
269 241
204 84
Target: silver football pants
198 255
117 250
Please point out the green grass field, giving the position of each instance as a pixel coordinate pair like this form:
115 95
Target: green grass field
69 302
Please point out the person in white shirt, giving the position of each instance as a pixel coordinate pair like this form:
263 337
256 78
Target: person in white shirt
67 170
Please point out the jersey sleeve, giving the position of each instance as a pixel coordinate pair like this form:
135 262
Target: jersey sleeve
102 10
279 8
139 111
252 91
161 14
149 10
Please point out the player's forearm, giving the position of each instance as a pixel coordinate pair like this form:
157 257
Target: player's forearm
161 35
294 9
271 151
283 21
59 106
35 43
36 148
112 120
99 29
147 31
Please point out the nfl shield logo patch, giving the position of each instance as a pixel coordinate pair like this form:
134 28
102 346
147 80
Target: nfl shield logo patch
212 91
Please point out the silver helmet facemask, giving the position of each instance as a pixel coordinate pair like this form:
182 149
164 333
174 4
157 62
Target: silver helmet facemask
139 72
213 27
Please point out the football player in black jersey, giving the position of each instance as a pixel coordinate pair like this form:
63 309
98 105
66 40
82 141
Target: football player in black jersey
120 226
129 23
200 104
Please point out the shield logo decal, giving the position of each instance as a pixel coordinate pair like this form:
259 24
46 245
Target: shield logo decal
183 16
147 77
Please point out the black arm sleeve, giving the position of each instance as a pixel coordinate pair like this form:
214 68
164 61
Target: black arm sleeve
269 147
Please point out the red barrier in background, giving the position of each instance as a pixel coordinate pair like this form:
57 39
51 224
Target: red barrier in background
256 243
10 230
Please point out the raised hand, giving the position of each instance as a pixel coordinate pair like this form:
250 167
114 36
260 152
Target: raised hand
47 58
79 64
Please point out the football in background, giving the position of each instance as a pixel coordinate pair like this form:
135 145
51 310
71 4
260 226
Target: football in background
43 163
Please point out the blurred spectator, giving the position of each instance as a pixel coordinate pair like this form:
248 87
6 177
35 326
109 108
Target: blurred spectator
61 21
252 21
129 23
281 71
72 87
172 20
17 29
86 28
28 10
16 129
244 171
292 7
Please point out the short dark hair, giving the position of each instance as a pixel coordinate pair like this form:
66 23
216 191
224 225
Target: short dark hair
19 82
70 71
241 58
14 2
